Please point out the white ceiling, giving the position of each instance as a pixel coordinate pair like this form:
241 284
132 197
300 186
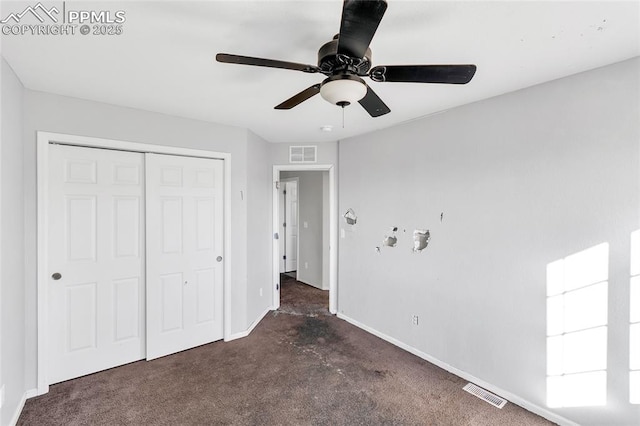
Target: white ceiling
164 60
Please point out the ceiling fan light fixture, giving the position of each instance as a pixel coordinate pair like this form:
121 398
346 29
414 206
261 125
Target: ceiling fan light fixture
343 89
347 57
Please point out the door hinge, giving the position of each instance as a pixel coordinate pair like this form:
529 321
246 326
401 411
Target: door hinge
284 225
284 257
284 192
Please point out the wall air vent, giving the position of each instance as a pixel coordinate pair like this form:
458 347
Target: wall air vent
302 154
486 396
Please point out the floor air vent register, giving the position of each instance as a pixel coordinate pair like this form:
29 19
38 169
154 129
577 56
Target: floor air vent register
486 396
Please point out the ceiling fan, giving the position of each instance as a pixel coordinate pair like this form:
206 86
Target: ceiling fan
347 57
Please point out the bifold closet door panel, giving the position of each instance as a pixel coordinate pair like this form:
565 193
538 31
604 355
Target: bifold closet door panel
96 289
184 235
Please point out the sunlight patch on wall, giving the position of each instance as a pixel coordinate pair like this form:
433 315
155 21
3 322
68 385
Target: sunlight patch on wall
634 319
577 290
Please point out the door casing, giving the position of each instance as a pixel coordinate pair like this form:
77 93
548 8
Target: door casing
43 141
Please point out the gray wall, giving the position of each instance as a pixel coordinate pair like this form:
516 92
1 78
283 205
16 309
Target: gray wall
48 112
312 210
523 179
259 237
12 261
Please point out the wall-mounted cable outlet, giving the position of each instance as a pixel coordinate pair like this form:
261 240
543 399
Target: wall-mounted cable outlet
414 320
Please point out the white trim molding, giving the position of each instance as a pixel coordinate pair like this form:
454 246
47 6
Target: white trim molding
16 414
248 331
44 140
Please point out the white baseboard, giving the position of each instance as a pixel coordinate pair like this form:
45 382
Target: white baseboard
543 412
16 414
248 331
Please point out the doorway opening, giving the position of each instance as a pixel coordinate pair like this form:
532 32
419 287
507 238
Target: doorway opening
305 229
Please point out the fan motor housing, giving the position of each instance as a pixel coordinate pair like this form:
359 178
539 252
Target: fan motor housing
329 61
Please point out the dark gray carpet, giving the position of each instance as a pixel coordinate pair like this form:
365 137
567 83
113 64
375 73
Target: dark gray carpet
300 366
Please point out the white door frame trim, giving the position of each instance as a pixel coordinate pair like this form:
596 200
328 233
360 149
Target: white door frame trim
44 139
333 231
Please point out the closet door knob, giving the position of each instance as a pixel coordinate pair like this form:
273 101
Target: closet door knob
219 258
56 276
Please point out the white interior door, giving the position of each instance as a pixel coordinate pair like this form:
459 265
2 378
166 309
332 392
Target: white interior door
282 231
291 225
184 252
96 251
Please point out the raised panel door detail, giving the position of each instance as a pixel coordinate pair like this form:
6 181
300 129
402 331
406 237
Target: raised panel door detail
124 174
171 176
81 303
205 290
80 171
171 286
126 308
293 253
171 225
205 178
205 223
294 215
126 226
81 228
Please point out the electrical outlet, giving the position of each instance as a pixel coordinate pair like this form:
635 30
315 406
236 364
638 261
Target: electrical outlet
414 320
260 291
1 396
306 265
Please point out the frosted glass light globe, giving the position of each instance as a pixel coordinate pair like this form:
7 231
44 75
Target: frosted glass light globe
343 90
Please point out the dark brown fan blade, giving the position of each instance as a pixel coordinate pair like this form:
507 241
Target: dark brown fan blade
451 74
360 20
373 104
259 62
300 97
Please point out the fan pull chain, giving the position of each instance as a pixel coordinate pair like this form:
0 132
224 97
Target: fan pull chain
343 116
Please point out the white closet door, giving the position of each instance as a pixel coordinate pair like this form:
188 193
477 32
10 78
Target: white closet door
184 252
96 260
